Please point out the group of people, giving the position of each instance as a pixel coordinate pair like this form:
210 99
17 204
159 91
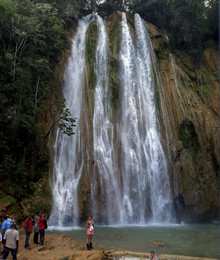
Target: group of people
9 235
40 224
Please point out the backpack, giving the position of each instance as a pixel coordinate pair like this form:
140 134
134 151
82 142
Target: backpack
45 223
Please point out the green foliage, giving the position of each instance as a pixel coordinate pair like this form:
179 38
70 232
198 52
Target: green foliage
31 44
8 199
66 122
186 24
110 6
189 22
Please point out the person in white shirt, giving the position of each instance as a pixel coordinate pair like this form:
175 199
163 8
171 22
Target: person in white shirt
11 238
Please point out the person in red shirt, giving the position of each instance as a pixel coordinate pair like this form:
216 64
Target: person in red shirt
28 230
41 228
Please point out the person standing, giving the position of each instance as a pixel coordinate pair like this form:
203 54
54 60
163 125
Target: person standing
11 239
90 232
36 228
41 228
28 230
5 226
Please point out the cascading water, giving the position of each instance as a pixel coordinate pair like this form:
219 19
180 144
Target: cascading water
129 182
146 188
67 166
103 136
132 161
161 199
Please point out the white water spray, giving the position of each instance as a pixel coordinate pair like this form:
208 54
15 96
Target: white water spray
103 136
67 166
146 188
129 182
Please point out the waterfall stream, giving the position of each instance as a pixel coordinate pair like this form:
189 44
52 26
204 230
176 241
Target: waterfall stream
67 169
129 182
103 135
144 167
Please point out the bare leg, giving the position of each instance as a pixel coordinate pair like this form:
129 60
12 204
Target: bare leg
88 239
88 243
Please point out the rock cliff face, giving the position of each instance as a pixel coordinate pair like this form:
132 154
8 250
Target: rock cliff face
191 98
191 93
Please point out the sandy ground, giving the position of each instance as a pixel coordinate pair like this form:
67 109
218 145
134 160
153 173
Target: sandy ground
60 247
55 247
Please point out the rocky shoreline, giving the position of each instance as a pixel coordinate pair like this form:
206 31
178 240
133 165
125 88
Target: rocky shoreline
61 247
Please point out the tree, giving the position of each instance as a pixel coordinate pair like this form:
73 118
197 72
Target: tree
212 18
32 40
65 122
110 6
154 11
186 25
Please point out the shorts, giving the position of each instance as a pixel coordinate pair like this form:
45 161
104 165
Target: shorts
90 232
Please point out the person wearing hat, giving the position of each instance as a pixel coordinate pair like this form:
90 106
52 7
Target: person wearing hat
11 238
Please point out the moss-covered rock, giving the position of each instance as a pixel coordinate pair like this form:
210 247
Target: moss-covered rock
9 206
40 201
188 136
91 44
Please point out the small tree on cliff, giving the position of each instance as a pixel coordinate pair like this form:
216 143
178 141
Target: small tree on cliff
65 122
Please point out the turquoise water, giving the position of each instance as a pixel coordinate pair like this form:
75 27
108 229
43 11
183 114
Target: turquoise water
189 240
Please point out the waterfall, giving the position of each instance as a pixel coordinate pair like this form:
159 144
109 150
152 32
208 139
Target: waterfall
103 136
67 166
145 188
161 199
131 145
129 181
